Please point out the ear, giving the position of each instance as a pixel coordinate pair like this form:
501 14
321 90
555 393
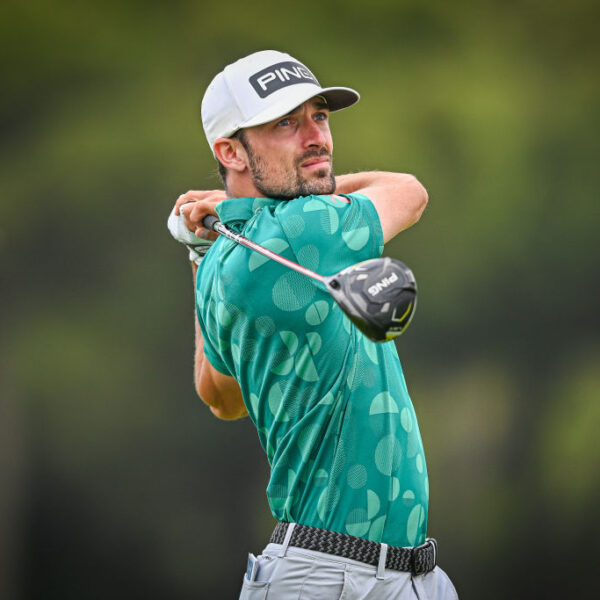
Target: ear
231 153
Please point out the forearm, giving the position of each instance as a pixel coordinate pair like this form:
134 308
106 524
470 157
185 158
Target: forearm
399 182
352 182
399 198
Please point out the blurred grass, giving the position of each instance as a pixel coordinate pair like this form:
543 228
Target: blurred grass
114 479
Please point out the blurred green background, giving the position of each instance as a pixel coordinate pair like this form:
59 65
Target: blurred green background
115 480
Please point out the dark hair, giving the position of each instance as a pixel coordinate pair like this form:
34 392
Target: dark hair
240 134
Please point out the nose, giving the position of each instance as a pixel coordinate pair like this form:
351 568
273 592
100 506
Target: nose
314 134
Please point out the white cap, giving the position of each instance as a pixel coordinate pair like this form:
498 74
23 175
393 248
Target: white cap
259 88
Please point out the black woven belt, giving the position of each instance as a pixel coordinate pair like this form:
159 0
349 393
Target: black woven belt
418 560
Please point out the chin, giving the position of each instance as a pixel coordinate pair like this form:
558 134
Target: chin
321 183
325 187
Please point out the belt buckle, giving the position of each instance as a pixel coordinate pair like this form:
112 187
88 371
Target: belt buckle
428 542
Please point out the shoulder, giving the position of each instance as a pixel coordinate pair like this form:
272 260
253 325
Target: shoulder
344 228
314 207
315 202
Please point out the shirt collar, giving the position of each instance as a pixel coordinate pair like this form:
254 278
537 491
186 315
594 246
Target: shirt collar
241 209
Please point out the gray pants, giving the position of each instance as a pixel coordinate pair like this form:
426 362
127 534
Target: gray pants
289 573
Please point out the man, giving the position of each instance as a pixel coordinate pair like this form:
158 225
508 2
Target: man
348 480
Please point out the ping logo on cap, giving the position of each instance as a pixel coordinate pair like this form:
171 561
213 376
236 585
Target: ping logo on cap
280 75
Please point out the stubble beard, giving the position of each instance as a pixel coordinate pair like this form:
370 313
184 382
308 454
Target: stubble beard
321 182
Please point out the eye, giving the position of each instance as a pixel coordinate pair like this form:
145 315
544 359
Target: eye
284 122
321 116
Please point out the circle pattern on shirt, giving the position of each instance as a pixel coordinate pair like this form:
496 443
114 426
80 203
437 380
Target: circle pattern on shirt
265 326
357 522
317 312
293 226
383 416
415 522
388 455
357 476
292 291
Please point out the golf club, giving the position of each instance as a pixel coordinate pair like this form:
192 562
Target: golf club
379 295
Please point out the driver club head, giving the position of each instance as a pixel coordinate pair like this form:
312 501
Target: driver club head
379 296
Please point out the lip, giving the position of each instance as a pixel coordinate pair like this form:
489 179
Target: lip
315 163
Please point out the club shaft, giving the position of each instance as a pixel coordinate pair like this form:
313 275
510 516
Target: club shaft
240 239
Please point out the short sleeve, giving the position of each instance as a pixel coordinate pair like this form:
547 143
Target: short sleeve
213 357
330 233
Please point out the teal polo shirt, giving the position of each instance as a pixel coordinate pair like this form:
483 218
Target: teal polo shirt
331 407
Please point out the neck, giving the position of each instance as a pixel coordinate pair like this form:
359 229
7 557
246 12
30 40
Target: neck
240 185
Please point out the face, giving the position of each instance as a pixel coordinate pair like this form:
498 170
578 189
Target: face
292 156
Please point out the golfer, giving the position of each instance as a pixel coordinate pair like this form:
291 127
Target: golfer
348 483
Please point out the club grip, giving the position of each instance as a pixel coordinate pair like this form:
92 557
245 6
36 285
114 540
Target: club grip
209 222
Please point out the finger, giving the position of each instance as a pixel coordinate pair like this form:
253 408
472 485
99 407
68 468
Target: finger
183 199
209 197
203 194
199 195
189 196
195 205
198 211
206 234
186 211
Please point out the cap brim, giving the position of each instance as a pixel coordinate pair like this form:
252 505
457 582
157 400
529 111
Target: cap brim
337 98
